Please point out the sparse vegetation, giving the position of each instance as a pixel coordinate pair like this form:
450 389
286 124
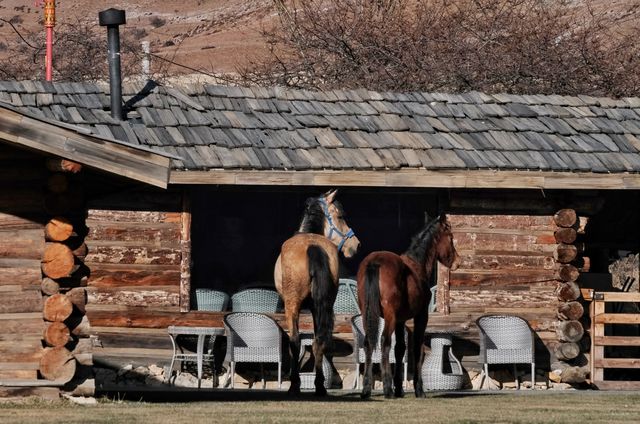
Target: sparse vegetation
138 33
518 46
80 51
16 19
157 21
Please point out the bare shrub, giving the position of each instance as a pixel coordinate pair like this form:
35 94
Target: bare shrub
138 33
157 22
518 46
17 19
79 54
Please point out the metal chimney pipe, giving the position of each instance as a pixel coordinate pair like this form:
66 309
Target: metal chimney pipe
112 19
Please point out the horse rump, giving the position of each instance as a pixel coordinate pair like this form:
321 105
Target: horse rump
323 293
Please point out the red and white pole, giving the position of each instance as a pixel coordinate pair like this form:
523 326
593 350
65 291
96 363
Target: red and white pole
49 23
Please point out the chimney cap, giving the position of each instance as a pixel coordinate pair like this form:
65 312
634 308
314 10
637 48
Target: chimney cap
111 17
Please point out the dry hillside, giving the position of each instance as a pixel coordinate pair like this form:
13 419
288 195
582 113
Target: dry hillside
213 35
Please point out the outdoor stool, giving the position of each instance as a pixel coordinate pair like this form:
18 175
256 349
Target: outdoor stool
441 370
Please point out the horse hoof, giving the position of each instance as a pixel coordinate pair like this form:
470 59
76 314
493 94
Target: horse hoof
399 393
420 394
321 391
294 391
365 395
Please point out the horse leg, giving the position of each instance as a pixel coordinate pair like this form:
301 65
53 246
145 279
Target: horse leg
318 354
419 326
385 346
292 311
400 348
367 378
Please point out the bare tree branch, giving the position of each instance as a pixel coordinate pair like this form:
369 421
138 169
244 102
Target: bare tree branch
519 46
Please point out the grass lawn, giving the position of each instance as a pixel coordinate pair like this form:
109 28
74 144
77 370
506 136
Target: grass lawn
584 407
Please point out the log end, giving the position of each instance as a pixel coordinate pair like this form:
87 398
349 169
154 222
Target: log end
57 364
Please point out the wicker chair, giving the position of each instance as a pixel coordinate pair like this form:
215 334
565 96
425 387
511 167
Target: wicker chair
265 301
253 337
211 300
506 339
376 357
432 301
347 298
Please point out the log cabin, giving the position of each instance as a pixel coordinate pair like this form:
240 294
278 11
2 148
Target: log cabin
108 224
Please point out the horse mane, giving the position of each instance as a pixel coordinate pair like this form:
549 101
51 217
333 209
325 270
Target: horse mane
422 240
313 218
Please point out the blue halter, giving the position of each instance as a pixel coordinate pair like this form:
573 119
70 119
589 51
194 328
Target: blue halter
332 228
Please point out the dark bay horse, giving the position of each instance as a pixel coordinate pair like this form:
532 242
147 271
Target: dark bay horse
308 266
396 288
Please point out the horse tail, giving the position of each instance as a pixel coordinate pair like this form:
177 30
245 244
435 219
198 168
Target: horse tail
371 313
323 293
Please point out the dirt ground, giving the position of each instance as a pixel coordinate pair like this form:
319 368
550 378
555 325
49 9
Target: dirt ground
212 35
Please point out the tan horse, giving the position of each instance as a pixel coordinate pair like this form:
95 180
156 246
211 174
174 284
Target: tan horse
396 288
308 266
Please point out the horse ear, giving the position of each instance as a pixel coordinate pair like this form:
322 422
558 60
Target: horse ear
331 195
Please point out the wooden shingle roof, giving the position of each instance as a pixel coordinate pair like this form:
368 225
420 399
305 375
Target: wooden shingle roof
360 136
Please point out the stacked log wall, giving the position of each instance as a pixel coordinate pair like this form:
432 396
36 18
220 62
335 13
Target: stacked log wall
67 357
134 286
569 358
507 268
22 244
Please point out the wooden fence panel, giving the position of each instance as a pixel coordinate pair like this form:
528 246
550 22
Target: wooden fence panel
600 341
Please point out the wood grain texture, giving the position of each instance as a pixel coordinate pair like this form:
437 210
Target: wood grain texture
56 334
28 300
57 261
57 364
57 308
138 164
23 272
185 254
124 275
58 229
137 253
412 178
22 244
135 296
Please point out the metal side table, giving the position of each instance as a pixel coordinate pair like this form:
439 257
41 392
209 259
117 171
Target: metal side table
200 356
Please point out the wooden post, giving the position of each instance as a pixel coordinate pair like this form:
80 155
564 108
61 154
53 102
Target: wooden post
597 332
185 247
442 294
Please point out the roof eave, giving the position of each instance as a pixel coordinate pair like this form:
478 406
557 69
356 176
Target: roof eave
414 178
127 161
